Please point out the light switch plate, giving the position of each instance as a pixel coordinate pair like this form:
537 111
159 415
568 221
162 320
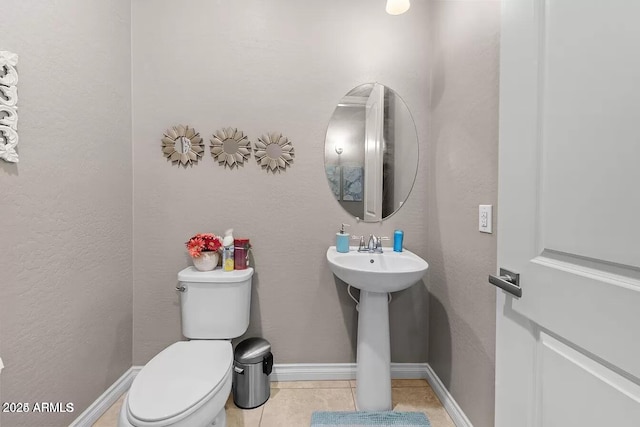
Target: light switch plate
485 218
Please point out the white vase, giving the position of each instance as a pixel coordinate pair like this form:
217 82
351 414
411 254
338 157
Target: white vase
207 261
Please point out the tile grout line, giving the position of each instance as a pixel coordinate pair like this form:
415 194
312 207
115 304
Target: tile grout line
261 414
353 397
312 388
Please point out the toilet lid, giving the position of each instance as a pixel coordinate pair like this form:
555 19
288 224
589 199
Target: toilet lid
179 377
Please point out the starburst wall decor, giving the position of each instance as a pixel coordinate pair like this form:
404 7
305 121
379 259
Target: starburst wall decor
230 147
274 152
182 145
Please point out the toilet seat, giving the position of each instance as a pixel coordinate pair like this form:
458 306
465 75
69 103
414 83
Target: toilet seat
178 381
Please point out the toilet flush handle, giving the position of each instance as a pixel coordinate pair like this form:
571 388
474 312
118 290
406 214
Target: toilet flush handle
180 288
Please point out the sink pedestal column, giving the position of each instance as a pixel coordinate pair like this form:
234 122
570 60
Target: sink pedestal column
373 375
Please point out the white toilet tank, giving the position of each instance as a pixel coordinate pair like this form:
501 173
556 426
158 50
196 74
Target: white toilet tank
215 304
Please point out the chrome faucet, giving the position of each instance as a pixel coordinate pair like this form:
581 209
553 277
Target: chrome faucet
373 246
361 247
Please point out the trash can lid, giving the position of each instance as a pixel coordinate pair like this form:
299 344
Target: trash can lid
252 350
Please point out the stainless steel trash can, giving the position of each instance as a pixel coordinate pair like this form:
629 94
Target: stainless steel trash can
252 365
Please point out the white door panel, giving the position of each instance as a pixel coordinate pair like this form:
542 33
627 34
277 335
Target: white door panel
590 94
595 390
596 311
569 214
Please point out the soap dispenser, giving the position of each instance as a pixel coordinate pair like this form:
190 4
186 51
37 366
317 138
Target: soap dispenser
342 240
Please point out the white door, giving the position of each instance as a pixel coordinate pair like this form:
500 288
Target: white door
373 154
568 350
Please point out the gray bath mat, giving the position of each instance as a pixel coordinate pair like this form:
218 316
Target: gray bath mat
364 419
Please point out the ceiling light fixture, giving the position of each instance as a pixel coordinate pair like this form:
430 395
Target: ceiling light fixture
397 7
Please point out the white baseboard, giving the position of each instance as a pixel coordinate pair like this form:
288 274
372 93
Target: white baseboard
339 371
106 400
295 372
450 405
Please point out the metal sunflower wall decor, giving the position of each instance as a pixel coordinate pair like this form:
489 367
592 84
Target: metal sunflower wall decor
183 145
230 147
274 152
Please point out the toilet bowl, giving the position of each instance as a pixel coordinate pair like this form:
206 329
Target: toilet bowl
188 383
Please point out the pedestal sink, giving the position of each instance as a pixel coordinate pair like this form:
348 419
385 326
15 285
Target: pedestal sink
375 274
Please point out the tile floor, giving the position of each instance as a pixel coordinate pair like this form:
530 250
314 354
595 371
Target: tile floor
291 404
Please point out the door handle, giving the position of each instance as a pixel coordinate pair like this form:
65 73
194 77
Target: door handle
508 281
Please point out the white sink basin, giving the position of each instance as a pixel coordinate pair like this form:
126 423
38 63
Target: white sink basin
386 272
375 275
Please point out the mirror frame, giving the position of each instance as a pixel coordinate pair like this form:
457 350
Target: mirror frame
175 135
227 158
264 156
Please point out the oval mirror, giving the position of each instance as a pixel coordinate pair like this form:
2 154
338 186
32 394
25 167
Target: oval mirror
371 152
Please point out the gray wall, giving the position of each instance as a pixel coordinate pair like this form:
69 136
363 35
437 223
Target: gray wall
463 171
65 240
267 66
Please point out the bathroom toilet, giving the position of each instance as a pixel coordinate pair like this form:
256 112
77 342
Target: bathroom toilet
188 383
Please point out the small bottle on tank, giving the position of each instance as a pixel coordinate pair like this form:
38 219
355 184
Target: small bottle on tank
227 251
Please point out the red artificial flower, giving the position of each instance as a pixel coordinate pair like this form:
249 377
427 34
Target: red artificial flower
203 242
